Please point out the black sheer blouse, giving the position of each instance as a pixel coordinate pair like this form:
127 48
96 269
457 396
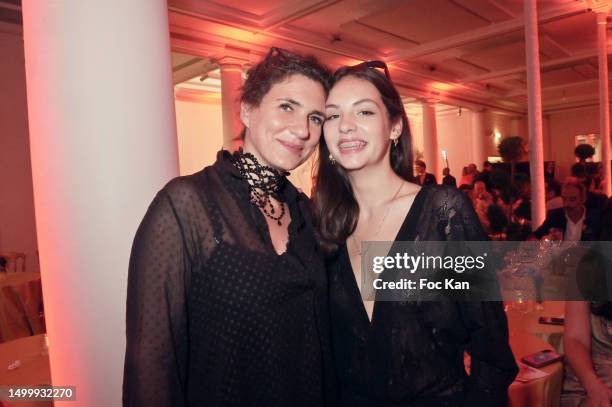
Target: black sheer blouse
411 354
214 316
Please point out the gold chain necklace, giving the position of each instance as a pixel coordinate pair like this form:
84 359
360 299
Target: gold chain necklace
379 226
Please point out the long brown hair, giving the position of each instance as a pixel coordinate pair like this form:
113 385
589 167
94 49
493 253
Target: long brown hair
336 210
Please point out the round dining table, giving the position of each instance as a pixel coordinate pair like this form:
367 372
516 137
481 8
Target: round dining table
541 392
525 318
33 369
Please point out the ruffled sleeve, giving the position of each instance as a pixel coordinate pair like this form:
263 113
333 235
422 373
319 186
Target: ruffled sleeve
493 366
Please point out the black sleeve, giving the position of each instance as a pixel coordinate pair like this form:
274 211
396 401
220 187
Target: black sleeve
156 322
493 366
606 222
544 228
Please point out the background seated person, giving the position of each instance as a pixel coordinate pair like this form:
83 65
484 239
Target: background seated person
588 347
575 220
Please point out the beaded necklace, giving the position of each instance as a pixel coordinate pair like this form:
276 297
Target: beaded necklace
264 183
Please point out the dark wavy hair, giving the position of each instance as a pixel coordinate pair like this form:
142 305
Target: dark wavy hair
276 66
602 309
336 210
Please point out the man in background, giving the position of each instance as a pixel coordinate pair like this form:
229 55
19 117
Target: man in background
574 221
447 178
422 176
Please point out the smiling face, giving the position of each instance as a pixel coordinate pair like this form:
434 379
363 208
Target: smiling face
285 128
358 130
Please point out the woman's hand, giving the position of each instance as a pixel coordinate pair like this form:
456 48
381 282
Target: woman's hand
598 394
577 345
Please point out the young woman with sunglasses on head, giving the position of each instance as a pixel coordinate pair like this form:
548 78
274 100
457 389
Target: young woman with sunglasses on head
397 353
227 293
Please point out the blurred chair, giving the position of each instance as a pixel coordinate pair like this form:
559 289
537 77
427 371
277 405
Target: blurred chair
12 259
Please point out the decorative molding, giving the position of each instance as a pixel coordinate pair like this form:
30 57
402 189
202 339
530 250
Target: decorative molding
599 6
494 30
575 107
431 99
11 29
288 12
229 64
232 55
602 14
563 86
210 30
195 96
272 21
11 15
502 8
545 66
212 39
571 103
192 68
11 4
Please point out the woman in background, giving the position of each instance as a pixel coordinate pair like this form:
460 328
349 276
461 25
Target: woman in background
587 341
227 293
397 353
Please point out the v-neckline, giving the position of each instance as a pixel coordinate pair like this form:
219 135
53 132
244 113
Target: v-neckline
345 257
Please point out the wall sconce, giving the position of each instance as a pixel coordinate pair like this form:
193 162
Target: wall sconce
497 136
445 157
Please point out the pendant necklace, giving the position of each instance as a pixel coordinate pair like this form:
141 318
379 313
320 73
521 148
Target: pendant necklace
358 247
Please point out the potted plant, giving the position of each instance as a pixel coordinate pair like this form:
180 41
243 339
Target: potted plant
584 151
511 150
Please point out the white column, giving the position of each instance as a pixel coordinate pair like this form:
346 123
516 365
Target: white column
536 144
604 112
478 137
231 82
103 141
430 138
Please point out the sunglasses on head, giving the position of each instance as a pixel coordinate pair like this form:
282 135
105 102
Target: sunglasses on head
373 65
280 52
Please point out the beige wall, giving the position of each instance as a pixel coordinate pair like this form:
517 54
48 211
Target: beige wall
17 222
564 126
199 130
455 135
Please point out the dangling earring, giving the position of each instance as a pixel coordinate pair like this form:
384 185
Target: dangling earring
395 141
332 160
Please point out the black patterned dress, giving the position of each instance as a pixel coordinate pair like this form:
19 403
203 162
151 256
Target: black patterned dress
411 353
215 317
